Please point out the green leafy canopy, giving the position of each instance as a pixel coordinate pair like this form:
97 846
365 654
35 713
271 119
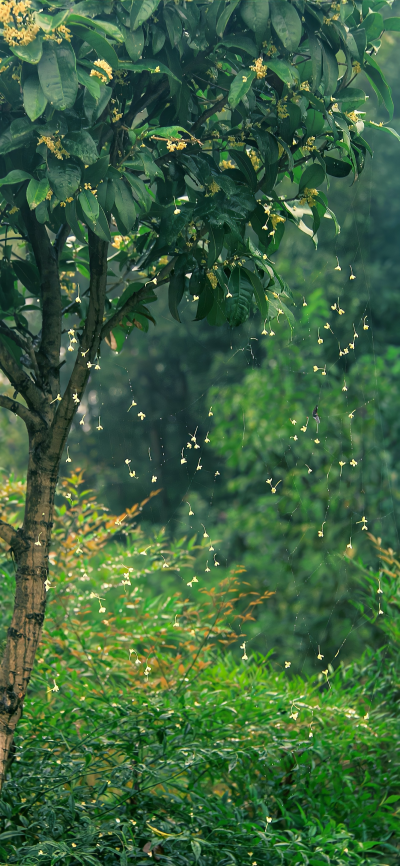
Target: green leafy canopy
188 134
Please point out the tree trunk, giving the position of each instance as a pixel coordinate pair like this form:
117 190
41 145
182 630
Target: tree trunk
31 554
48 430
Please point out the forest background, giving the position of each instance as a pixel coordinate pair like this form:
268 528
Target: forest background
258 386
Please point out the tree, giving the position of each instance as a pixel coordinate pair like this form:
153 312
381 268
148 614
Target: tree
163 130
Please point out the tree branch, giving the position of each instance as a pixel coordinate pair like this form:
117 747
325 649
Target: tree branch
90 343
13 335
209 113
20 380
46 260
8 533
61 237
17 408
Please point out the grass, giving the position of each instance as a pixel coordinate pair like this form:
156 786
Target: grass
146 734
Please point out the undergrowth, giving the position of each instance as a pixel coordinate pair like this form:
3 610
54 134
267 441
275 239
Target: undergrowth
146 734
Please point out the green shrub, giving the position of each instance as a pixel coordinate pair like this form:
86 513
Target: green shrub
145 736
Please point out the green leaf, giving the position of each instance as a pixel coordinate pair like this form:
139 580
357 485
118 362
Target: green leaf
118 334
49 23
57 74
97 171
215 243
89 204
217 316
15 176
93 107
284 70
175 293
34 99
314 122
286 23
130 290
383 128
17 135
139 190
206 302
90 81
240 85
374 25
124 204
379 83
166 131
141 11
337 167
224 18
246 167
173 24
42 212
28 274
350 98
238 306
259 292
106 27
72 220
196 848
99 225
102 47
81 144
158 39
30 53
148 66
274 307
313 176
134 42
243 43
392 24
255 14
64 177
330 70
316 60
37 191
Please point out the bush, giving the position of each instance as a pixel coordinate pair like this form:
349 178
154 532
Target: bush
144 735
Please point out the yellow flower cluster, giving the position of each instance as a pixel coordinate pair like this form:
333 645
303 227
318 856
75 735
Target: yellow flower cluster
270 48
213 279
256 161
304 85
120 241
353 116
281 110
59 34
213 188
309 196
104 76
226 163
116 115
259 68
54 145
275 219
356 68
309 145
20 27
175 145
67 201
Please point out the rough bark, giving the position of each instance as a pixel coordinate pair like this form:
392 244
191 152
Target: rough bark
48 425
31 553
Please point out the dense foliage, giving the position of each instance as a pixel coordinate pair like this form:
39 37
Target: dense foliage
178 748
176 122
